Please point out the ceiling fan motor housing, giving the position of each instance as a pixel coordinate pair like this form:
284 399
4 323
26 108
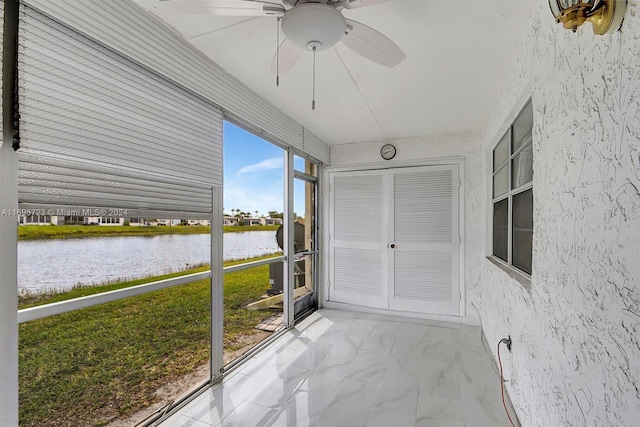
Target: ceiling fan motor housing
313 25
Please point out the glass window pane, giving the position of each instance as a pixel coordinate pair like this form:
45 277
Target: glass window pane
501 152
304 267
501 182
522 230
253 309
298 163
304 165
522 127
106 363
522 167
253 196
501 229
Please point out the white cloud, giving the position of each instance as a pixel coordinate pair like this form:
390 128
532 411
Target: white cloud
268 164
263 199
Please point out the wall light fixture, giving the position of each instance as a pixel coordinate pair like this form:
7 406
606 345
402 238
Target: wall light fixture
605 15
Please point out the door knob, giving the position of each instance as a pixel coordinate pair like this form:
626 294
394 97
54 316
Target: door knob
392 246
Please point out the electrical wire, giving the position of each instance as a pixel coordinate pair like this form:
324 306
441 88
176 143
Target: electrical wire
502 382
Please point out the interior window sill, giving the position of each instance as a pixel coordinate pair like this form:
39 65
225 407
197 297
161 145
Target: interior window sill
515 275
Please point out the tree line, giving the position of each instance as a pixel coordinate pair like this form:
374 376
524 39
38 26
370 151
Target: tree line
240 214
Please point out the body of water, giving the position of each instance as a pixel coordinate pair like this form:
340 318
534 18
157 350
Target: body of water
60 264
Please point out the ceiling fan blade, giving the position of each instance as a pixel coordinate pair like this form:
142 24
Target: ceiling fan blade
354 4
289 56
223 7
372 44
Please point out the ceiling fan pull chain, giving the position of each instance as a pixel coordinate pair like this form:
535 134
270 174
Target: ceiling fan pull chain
277 51
313 100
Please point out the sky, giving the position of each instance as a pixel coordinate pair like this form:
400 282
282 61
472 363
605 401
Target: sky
254 174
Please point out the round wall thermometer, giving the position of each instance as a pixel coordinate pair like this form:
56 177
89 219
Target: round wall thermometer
388 151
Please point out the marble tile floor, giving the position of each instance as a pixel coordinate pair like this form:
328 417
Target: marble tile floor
348 369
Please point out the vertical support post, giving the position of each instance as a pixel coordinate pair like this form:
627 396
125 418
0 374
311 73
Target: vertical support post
8 284
8 227
217 287
318 238
289 232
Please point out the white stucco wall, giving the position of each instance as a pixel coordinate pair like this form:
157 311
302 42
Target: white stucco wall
420 151
576 333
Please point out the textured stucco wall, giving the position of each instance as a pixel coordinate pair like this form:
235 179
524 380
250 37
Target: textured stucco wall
416 151
576 353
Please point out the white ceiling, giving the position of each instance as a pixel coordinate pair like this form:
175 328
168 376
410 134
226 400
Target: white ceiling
456 52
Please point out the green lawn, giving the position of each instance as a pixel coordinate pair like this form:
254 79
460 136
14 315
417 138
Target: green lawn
91 366
39 232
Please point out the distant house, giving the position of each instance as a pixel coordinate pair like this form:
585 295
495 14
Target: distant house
198 222
253 221
72 220
103 220
38 220
229 220
271 221
168 222
233 221
262 221
137 222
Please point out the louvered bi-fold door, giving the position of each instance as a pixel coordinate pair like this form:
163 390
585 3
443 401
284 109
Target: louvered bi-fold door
395 239
424 263
358 239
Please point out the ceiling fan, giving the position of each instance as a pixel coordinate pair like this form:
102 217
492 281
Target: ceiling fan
312 25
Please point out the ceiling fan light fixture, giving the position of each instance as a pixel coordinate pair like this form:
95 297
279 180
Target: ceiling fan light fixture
314 24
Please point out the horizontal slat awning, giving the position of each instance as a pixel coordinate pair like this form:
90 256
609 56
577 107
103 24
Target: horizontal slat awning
125 27
100 131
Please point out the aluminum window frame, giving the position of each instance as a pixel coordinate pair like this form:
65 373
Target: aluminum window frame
509 195
315 252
